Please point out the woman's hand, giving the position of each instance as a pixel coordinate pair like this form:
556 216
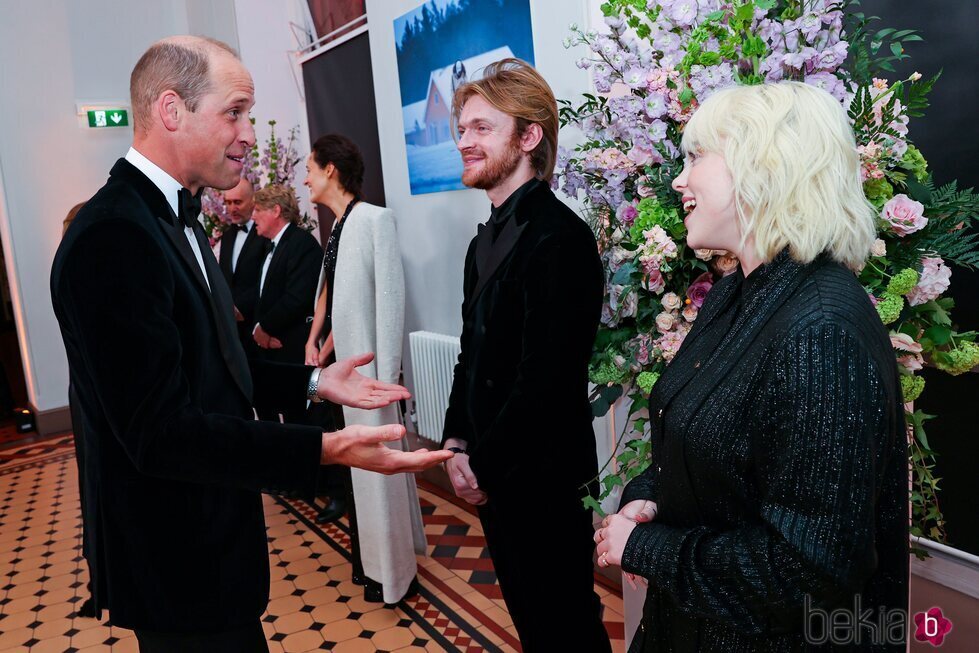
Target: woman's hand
312 354
611 539
639 511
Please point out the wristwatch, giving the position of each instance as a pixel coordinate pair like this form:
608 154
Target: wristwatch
457 450
313 386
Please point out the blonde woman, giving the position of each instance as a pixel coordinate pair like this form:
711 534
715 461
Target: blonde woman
777 490
360 307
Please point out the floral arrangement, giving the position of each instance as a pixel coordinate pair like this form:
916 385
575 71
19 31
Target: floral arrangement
274 163
652 67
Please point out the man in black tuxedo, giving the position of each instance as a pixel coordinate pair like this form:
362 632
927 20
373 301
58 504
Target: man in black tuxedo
174 462
240 256
286 287
519 419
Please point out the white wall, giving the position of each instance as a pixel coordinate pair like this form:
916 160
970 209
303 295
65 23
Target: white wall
435 229
267 47
53 53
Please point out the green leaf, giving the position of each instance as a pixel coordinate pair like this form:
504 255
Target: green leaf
745 12
940 335
918 191
591 503
765 4
623 275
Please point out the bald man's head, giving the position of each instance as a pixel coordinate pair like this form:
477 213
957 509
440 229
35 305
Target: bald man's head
177 63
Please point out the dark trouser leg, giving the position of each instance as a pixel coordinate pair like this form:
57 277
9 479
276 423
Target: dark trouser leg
543 561
250 639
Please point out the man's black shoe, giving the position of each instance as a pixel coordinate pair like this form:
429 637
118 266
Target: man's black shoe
332 511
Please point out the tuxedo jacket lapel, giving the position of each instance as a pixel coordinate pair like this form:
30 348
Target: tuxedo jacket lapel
501 250
228 253
222 305
179 240
251 249
223 317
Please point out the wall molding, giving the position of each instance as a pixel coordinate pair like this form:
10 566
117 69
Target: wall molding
948 567
56 420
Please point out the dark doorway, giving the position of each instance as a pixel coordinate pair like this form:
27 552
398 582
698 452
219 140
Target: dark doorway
340 99
13 387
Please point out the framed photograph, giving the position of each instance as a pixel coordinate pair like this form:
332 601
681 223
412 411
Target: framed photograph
441 45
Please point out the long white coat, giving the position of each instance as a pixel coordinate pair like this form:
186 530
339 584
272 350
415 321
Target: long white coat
368 315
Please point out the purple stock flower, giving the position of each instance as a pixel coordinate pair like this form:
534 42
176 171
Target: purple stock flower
683 13
829 83
655 105
809 25
615 178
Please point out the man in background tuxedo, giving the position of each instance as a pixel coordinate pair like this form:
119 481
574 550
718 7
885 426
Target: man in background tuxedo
519 419
286 287
240 256
174 462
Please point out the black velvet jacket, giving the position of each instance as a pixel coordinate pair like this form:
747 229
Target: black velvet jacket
520 391
779 467
172 459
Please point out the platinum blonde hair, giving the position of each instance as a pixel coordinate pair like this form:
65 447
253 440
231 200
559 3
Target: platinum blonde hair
796 170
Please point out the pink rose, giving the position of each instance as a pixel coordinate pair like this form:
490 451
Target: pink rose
665 321
655 282
690 313
935 279
698 290
911 362
904 215
626 213
904 342
704 254
671 301
725 264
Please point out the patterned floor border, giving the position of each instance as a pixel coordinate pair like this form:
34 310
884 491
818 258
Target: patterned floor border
314 604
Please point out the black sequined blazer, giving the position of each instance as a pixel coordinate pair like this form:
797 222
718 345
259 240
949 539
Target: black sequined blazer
779 469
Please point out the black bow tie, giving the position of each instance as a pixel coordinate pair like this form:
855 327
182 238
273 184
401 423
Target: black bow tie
190 207
241 227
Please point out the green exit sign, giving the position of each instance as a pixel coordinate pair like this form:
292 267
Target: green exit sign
108 118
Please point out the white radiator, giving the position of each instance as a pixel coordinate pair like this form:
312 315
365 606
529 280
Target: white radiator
433 358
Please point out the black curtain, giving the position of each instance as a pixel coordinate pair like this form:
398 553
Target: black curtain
340 99
949 140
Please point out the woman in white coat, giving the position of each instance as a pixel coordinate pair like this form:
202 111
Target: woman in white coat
360 307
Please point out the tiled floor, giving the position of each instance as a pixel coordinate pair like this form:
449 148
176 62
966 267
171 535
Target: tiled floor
314 605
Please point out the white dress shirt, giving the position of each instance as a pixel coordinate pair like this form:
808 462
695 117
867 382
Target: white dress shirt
268 257
240 237
171 191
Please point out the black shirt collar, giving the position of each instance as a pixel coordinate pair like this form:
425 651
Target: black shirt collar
500 214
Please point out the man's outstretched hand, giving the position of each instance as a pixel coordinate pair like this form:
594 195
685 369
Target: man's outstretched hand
341 383
363 447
